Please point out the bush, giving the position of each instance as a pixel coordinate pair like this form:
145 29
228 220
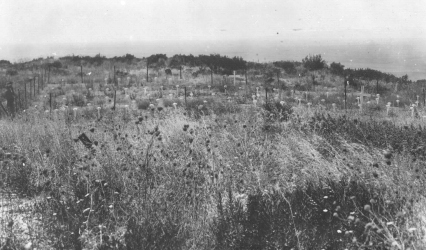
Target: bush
276 111
314 62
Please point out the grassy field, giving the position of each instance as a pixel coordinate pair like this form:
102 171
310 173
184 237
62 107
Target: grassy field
215 170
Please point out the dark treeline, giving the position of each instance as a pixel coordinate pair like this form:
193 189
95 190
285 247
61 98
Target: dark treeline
216 63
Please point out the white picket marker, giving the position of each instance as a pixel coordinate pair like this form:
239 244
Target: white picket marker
388 108
99 112
75 113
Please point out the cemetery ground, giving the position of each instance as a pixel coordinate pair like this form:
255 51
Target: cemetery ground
208 163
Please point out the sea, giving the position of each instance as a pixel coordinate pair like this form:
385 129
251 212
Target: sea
396 57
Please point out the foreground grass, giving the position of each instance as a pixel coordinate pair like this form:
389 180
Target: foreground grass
234 181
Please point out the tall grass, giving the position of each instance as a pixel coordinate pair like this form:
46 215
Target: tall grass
221 182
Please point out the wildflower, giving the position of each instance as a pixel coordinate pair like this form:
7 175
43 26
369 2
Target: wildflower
412 229
325 210
339 231
351 218
389 223
367 208
28 245
387 154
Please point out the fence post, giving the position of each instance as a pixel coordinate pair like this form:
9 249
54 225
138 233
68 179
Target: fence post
25 89
34 85
147 65
48 76
115 96
185 96
50 103
180 72
81 73
345 92
266 95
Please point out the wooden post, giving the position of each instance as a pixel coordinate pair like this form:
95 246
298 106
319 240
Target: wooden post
211 76
19 99
147 65
345 93
185 96
34 86
81 71
25 89
38 85
180 72
115 96
246 75
266 94
50 102
115 83
48 76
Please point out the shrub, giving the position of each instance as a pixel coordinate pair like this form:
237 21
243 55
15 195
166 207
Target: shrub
314 62
276 111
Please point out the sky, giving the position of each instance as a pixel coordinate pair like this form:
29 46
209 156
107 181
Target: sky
28 27
94 21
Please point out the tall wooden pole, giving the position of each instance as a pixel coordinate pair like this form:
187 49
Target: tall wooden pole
115 96
147 65
266 95
185 96
48 76
19 99
114 77
345 83
180 72
81 71
211 76
50 103
25 89
34 86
